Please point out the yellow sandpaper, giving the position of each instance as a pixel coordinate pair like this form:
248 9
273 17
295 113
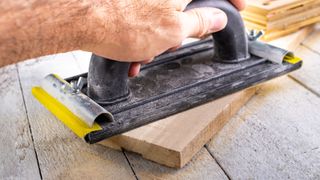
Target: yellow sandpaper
292 60
78 126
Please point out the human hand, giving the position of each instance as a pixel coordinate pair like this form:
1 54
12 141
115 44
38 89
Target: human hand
137 31
135 66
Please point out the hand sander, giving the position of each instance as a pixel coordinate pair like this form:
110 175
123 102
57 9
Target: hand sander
104 102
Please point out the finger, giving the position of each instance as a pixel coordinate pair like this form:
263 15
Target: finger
134 69
136 66
240 4
201 21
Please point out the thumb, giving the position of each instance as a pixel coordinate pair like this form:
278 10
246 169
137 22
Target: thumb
202 21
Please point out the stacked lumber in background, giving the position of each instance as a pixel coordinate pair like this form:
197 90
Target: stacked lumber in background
280 17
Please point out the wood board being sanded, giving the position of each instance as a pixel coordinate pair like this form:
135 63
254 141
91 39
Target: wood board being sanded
280 17
173 141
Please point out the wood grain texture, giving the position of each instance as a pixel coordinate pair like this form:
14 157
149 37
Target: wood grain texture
275 136
263 17
174 140
288 19
278 18
309 74
200 167
312 42
61 154
276 6
292 41
17 156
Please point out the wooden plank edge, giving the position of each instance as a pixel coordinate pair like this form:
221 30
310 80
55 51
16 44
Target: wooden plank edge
216 125
178 159
276 34
147 150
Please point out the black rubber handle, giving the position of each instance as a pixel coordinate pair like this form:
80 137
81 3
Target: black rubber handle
231 43
107 79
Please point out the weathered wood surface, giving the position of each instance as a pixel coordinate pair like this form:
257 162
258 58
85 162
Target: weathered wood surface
203 166
17 155
61 154
312 41
275 136
309 75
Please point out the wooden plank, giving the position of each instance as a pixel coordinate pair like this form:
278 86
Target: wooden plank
61 154
201 167
292 42
17 155
294 19
275 136
178 152
275 6
299 24
253 17
269 16
287 18
303 7
312 42
276 34
282 21
160 141
309 74
145 169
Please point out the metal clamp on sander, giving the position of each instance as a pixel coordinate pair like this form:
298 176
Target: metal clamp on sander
104 102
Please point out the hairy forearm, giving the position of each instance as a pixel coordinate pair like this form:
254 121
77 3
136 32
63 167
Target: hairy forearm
35 28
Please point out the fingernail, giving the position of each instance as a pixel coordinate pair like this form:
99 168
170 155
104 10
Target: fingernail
218 21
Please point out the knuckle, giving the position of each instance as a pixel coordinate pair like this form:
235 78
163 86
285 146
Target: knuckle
202 24
174 27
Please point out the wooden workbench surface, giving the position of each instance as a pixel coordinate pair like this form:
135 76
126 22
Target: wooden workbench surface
276 135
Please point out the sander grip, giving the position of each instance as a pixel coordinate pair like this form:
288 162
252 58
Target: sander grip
231 43
107 79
